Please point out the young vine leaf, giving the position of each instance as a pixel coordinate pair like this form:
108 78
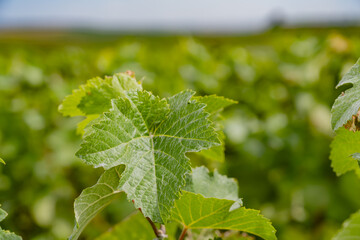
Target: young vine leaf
211 201
94 97
348 103
215 105
350 229
195 211
150 136
345 149
4 234
93 199
215 185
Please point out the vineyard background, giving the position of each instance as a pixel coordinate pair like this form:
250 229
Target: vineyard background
278 136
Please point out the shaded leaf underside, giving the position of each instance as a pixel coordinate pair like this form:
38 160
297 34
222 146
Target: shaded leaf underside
93 199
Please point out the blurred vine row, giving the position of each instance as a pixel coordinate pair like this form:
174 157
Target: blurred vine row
277 137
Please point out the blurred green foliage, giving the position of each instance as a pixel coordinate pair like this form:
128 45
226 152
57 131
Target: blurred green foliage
277 137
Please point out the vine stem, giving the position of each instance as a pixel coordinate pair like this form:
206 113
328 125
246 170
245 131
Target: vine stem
160 234
156 231
183 234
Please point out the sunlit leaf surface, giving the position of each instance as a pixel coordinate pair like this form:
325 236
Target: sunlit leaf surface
345 149
195 211
150 136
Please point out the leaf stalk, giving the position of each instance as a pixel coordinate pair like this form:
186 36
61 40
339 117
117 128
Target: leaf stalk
183 234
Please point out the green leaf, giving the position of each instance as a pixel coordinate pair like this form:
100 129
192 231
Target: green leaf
215 105
348 103
132 228
216 153
150 136
4 234
345 149
212 185
2 161
135 227
85 123
350 229
94 97
7 235
3 214
93 199
233 235
195 211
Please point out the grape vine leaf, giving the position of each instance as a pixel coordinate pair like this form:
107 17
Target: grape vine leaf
212 185
216 153
150 136
236 236
94 97
135 227
2 161
3 214
348 103
345 149
7 235
195 211
350 228
93 199
4 234
215 105
232 235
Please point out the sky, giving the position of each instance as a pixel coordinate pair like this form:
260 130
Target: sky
193 15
